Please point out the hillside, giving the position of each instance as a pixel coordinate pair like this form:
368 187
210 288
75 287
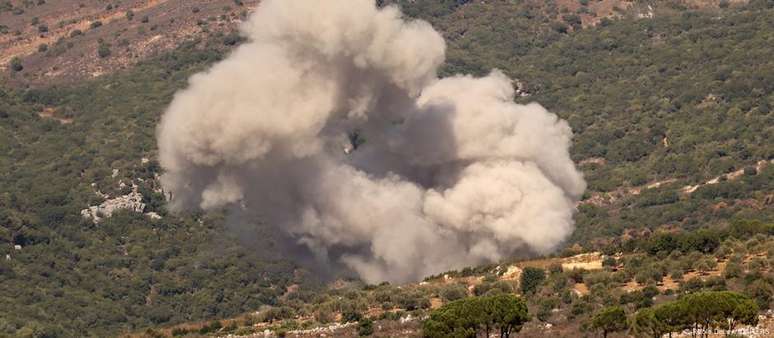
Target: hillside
66 41
665 102
670 103
130 270
562 293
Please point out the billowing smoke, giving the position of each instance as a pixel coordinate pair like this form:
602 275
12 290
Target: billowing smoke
331 125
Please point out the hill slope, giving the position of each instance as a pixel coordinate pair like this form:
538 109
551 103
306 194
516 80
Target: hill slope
664 102
660 102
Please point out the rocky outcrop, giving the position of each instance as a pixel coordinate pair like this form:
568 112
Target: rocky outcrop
131 201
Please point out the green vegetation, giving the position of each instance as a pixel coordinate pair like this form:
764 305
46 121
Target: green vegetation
685 96
531 278
699 312
16 64
70 277
634 291
103 50
365 327
610 319
470 317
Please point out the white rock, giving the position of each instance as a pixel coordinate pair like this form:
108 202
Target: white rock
131 201
408 318
17 247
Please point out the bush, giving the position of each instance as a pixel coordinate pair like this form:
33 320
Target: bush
178 331
454 292
762 292
732 270
531 278
495 287
103 50
365 327
750 171
351 316
232 39
213 326
16 64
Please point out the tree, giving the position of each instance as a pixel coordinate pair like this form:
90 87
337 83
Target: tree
467 317
761 292
610 319
609 261
452 320
710 309
646 323
531 278
732 270
707 310
706 265
508 312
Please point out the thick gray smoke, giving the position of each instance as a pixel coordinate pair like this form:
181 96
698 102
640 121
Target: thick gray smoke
331 125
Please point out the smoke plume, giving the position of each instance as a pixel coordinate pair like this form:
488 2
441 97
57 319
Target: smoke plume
331 125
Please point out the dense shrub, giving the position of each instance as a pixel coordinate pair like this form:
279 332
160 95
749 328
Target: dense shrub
531 278
16 64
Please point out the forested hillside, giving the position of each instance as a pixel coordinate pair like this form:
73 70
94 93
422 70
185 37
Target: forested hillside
667 283
667 102
62 274
673 122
